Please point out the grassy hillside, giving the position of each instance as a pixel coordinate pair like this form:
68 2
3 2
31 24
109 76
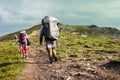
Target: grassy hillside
94 46
80 29
93 30
72 45
10 62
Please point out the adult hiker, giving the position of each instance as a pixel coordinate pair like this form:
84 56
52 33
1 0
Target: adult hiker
50 31
23 43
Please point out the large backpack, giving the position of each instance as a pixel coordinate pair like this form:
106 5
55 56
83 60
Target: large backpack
22 38
50 28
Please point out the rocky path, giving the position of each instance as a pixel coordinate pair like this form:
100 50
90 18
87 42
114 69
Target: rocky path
37 67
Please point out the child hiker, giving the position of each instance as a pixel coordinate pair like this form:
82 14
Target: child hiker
23 44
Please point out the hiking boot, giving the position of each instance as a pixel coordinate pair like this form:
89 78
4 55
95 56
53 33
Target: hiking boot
51 60
26 56
55 58
23 56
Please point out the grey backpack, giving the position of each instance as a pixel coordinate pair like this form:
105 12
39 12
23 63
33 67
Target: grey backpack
50 27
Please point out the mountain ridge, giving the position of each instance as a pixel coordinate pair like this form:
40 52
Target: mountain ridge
113 33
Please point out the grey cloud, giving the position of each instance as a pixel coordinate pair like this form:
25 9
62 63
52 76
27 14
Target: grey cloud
100 12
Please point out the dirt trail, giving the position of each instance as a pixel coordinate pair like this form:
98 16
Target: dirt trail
38 68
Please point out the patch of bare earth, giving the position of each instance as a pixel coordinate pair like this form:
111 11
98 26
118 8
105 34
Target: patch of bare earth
38 68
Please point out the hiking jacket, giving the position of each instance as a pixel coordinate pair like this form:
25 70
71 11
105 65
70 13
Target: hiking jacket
42 33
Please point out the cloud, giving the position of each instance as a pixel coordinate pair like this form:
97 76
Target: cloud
99 12
28 12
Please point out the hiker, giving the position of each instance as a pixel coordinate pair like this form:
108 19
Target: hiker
23 43
48 24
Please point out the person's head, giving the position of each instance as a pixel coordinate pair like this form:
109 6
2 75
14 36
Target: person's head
23 31
43 23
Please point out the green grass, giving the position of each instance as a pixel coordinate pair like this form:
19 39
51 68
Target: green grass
10 61
71 45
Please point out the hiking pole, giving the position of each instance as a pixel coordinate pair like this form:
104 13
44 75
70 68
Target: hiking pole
16 39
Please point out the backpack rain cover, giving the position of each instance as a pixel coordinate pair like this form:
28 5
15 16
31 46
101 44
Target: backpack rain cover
50 27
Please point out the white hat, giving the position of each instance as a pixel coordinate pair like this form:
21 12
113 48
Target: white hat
23 31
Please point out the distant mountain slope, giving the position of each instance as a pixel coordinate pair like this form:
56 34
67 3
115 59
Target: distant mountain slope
11 36
93 30
80 29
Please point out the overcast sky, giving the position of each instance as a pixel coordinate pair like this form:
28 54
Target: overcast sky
74 12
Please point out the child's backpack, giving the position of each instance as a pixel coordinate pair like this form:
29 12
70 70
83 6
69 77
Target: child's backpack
22 38
28 41
50 27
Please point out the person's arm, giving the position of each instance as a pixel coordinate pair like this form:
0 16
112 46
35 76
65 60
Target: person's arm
41 40
41 36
